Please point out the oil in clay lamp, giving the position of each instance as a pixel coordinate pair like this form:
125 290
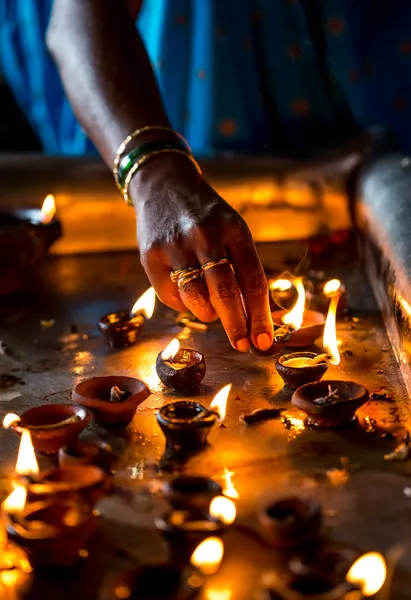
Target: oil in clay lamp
122 328
51 425
113 399
300 368
87 452
180 369
186 424
299 328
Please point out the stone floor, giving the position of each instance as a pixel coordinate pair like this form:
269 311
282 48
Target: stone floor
369 512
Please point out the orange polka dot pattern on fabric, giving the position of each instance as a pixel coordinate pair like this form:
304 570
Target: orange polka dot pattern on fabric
227 127
300 107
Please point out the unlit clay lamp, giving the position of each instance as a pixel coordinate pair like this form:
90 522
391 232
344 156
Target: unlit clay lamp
330 403
52 531
299 368
87 481
87 452
186 424
191 493
180 369
113 399
51 425
122 328
292 522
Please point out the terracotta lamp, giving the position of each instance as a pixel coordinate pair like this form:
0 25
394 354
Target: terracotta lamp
180 369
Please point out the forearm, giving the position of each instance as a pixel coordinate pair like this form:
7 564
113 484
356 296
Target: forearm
105 70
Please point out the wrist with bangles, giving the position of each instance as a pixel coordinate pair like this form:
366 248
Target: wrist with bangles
126 165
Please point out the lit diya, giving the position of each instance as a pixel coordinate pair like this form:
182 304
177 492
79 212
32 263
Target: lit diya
51 425
299 368
324 291
186 424
192 493
282 293
121 329
25 237
298 328
112 399
180 369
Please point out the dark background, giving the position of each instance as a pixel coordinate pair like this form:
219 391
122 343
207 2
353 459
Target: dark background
16 134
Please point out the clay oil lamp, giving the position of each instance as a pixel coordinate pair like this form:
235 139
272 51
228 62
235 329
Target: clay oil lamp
42 222
364 579
87 452
51 425
121 329
325 291
186 424
292 522
180 369
282 293
191 493
298 328
300 368
52 532
184 529
113 399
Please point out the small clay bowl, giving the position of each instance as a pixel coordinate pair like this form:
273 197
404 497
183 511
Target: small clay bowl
352 397
314 587
87 481
87 452
186 378
63 529
191 493
121 329
311 329
292 522
295 377
50 439
94 394
186 425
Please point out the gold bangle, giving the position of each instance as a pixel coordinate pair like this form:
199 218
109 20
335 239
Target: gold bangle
145 159
136 133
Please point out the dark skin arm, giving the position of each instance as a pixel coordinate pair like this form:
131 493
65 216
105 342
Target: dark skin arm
181 220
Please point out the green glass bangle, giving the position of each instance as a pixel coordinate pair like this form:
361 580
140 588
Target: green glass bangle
135 155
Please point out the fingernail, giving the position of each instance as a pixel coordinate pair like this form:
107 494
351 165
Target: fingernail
243 345
263 341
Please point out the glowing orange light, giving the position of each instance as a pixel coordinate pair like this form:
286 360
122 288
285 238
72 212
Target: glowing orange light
330 341
10 419
171 350
145 304
229 489
369 572
16 502
208 555
219 402
332 287
218 594
281 285
48 210
223 508
296 314
26 459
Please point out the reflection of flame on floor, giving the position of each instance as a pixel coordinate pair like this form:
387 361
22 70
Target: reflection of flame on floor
294 424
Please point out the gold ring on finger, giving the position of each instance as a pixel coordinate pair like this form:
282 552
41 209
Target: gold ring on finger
183 280
175 275
214 263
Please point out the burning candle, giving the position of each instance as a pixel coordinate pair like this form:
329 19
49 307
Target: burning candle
122 328
180 369
186 424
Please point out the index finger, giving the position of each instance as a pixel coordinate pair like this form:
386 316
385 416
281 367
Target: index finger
254 288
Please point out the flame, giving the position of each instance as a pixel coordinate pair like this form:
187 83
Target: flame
218 594
369 572
332 287
48 210
229 489
16 502
208 555
145 304
219 402
223 508
10 419
171 350
26 459
280 285
296 314
330 341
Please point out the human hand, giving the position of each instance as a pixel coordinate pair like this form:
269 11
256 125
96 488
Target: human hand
182 222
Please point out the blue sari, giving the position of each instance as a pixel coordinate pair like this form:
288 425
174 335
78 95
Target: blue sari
252 76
